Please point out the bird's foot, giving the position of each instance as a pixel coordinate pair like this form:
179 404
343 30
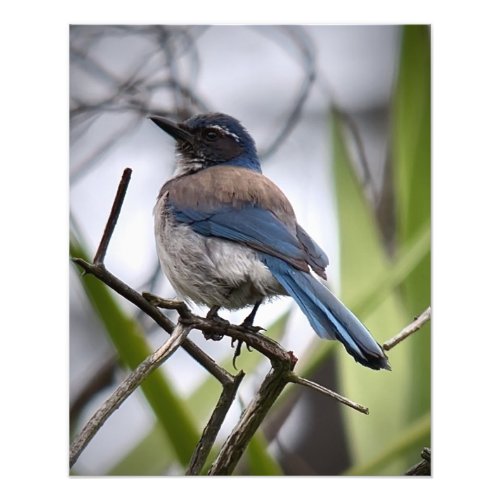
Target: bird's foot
248 321
248 325
213 316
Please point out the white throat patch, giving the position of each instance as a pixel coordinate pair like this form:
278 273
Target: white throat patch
183 167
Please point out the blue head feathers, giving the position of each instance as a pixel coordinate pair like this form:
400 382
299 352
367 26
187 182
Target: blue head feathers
211 139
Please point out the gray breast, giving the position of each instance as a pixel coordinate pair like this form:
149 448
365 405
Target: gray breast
210 271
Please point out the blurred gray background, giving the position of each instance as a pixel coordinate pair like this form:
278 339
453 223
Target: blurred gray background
281 83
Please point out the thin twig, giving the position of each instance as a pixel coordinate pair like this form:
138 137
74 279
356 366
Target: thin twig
99 379
128 123
125 389
178 305
292 377
351 126
213 426
154 313
409 329
113 216
307 58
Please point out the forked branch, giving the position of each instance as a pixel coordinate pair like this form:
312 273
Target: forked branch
281 373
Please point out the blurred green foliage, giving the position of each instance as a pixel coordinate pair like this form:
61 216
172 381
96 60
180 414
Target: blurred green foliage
397 399
175 419
412 175
200 403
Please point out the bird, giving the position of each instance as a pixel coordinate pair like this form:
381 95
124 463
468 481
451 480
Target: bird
227 236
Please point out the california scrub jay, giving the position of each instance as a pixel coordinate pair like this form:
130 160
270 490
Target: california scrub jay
227 236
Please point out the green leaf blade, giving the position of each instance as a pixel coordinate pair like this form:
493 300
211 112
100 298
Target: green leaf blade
179 429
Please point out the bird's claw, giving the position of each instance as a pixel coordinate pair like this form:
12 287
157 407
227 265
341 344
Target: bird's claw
237 351
213 336
255 329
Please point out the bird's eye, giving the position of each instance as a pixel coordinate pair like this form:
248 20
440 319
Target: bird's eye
211 135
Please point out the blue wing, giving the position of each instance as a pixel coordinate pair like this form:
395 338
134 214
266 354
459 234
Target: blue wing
258 228
243 206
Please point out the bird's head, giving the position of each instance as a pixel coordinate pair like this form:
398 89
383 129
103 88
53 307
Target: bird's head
211 139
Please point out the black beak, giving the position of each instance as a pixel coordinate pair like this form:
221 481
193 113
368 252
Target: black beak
172 128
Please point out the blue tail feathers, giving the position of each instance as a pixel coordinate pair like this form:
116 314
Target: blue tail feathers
328 316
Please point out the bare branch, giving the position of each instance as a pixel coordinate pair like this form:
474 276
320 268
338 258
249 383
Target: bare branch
409 329
178 305
113 217
297 37
125 389
423 468
213 426
250 420
265 345
292 377
136 298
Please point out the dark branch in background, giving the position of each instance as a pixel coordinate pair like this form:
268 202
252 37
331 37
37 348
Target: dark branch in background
100 378
131 123
307 60
166 42
351 126
83 110
132 94
382 201
135 92
282 363
347 120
